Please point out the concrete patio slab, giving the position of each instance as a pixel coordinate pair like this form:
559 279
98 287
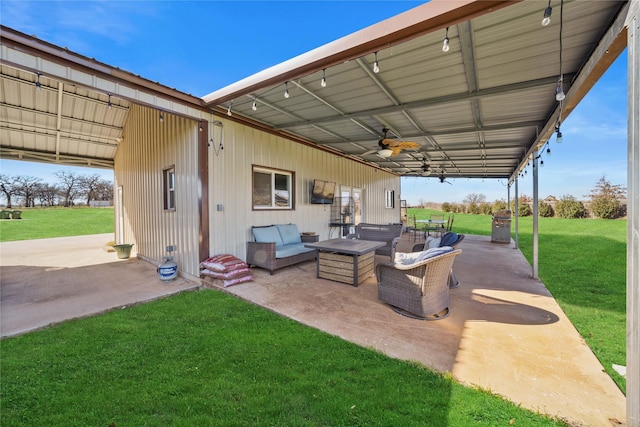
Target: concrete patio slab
47 281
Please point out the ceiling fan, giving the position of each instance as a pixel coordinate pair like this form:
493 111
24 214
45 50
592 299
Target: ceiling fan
443 178
392 147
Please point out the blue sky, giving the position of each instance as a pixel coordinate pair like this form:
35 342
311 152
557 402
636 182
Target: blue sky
200 46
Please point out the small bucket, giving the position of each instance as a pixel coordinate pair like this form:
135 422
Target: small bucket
124 250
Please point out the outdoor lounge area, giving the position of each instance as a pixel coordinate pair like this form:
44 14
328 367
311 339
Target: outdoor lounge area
505 332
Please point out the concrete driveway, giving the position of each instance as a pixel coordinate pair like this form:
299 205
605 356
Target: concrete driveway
46 281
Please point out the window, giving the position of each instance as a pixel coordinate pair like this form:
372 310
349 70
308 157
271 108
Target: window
169 187
388 199
272 189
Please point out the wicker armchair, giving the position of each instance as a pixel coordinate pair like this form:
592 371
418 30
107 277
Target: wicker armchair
449 239
419 290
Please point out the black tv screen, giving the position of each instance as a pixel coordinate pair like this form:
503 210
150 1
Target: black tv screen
322 192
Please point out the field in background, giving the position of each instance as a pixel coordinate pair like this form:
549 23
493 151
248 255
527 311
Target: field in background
43 223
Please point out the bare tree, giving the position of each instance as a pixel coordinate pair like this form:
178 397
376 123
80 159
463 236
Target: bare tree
69 186
104 190
46 194
475 198
9 187
28 188
88 186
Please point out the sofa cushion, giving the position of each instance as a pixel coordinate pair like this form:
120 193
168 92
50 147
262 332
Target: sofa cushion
289 233
291 250
267 234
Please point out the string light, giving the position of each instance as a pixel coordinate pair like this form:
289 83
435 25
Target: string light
323 82
38 85
161 117
254 107
445 42
286 89
558 134
109 102
546 20
376 66
559 92
229 109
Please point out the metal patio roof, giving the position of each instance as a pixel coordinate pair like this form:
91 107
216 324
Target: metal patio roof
479 110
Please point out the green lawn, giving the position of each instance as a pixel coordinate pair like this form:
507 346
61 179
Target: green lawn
204 358
42 223
582 262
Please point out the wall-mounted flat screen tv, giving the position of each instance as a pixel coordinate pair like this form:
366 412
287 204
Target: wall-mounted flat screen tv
322 192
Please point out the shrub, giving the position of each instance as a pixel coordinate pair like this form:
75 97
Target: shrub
569 207
446 207
605 199
524 209
473 208
499 205
545 210
486 209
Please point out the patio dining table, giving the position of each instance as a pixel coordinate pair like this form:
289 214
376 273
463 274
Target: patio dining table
432 225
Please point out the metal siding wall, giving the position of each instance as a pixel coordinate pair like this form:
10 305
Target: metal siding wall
230 185
148 147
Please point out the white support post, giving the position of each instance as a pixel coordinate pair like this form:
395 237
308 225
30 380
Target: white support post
534 240
633 216
516 200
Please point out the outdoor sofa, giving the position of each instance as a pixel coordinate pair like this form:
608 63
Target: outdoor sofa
277 246
388 233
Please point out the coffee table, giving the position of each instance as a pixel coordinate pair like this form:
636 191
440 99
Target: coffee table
345 260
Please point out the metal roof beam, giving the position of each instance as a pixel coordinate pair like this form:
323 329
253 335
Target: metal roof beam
464 96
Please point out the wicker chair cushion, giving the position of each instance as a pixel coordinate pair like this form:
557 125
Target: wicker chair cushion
267 234
449 238
289 233
408 259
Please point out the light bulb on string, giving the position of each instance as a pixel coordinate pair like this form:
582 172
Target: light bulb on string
559 92
546 19
286 89
376 66
445 42
254 107
323 82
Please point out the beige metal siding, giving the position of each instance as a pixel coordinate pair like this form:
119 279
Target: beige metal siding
148 147
230 185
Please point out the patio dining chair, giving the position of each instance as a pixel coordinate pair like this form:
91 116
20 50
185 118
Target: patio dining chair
418 289
414 230
434 227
